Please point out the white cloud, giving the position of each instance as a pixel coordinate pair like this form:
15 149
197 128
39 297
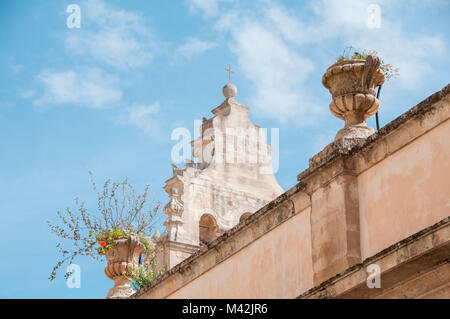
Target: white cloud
271 42
110 35
194 47
346 21
268 56
209 8
288 26
86 87
342 14
408 51
276 69
142 116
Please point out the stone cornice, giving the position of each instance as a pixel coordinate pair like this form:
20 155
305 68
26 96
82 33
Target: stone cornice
222 109
184 247
433 241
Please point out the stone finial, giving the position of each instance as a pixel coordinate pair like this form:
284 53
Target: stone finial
122 257
352 86
229 91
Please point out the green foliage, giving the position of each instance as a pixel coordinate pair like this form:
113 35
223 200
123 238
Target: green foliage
121 214
351 53
144 275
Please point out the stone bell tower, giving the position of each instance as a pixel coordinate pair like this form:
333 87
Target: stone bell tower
231 178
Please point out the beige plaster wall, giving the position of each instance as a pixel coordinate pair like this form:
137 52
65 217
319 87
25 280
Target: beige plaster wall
406 192
350 204
286 249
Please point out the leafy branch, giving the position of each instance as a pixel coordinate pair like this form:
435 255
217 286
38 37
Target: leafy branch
122 212
144 275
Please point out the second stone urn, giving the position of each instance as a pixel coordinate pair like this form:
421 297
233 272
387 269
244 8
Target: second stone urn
352 85
123 256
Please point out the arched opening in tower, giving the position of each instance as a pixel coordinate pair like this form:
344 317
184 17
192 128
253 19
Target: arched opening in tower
207 229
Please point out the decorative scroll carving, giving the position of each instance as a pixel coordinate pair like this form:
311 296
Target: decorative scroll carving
370 68
175 205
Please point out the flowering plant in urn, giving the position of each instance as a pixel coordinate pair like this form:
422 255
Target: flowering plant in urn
120 231
352 81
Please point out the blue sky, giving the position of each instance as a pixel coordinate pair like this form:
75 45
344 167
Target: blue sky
106 97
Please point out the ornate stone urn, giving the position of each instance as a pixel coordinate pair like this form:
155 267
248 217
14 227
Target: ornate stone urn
122 256
352 85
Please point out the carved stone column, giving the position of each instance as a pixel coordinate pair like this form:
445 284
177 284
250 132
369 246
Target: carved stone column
174 211
352 85
122 256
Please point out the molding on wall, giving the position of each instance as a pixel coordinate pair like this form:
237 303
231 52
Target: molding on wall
416 254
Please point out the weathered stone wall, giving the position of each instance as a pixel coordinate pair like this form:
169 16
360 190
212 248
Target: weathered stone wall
353 201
